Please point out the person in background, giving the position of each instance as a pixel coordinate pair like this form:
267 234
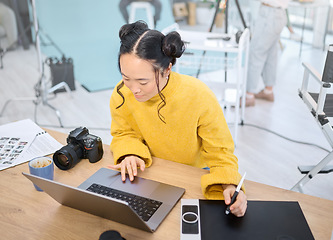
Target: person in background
158 112
9 35
263 56
156 3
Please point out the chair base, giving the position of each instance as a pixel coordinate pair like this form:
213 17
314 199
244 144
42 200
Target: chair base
313 172
306 169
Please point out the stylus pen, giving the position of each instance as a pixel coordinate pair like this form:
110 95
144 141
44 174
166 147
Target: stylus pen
233 199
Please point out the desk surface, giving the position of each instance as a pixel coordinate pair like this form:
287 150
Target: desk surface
28 214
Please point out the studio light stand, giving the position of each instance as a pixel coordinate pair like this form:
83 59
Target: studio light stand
41 90
2 53
226 25
227 15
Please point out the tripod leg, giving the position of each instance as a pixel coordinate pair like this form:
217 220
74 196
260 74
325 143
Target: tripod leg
240 14
14 99
1 62
59 86
57 113
2 53
210 30
4 107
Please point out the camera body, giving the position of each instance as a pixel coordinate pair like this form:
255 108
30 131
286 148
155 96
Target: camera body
91 144
80 144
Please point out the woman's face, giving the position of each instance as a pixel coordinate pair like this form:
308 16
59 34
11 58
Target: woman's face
139 76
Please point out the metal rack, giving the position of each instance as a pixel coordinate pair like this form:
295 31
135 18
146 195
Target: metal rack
208 62
222 53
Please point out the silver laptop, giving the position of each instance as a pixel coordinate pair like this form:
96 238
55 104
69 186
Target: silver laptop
142 203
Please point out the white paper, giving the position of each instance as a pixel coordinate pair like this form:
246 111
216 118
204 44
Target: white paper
13 149
29 141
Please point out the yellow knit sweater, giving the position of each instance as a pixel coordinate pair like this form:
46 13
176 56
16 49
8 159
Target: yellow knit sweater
195 131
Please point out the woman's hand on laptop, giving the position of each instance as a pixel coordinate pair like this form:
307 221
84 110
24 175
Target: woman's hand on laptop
129 165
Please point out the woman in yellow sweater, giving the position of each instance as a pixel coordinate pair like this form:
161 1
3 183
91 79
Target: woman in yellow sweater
160 113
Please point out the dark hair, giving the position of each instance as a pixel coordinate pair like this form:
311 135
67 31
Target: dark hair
159 49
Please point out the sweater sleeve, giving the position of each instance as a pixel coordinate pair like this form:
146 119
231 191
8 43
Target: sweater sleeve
217 150
125 141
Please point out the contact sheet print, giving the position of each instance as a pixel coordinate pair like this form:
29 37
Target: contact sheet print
12 149
22 141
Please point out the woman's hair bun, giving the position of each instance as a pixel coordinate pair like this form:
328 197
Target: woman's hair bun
172 45
128 29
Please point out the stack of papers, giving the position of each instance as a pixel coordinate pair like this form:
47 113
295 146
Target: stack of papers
22 141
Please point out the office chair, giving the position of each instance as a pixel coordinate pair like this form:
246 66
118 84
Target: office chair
321 106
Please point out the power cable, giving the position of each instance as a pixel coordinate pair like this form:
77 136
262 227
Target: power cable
287 138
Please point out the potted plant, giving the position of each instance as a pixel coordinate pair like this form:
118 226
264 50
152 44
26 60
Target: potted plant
206 11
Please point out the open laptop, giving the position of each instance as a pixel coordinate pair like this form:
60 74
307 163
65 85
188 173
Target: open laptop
142 203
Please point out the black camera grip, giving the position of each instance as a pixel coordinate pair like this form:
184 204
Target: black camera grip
95 153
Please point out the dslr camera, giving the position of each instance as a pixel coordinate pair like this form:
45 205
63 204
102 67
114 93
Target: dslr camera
80 144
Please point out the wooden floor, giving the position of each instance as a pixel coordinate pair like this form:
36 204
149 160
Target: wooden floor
267 158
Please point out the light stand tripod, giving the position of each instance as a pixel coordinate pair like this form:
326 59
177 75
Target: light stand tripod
2 53
227 15
226 25
41 91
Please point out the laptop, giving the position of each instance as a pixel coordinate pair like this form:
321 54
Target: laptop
141 204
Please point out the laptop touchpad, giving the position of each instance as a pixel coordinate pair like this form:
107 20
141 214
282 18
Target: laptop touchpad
139 186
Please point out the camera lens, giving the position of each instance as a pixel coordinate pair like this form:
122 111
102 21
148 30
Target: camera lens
63 160
68 156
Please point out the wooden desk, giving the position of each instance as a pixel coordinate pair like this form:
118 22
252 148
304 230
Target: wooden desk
28 214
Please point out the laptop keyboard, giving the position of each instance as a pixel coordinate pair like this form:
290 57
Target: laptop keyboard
144 207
